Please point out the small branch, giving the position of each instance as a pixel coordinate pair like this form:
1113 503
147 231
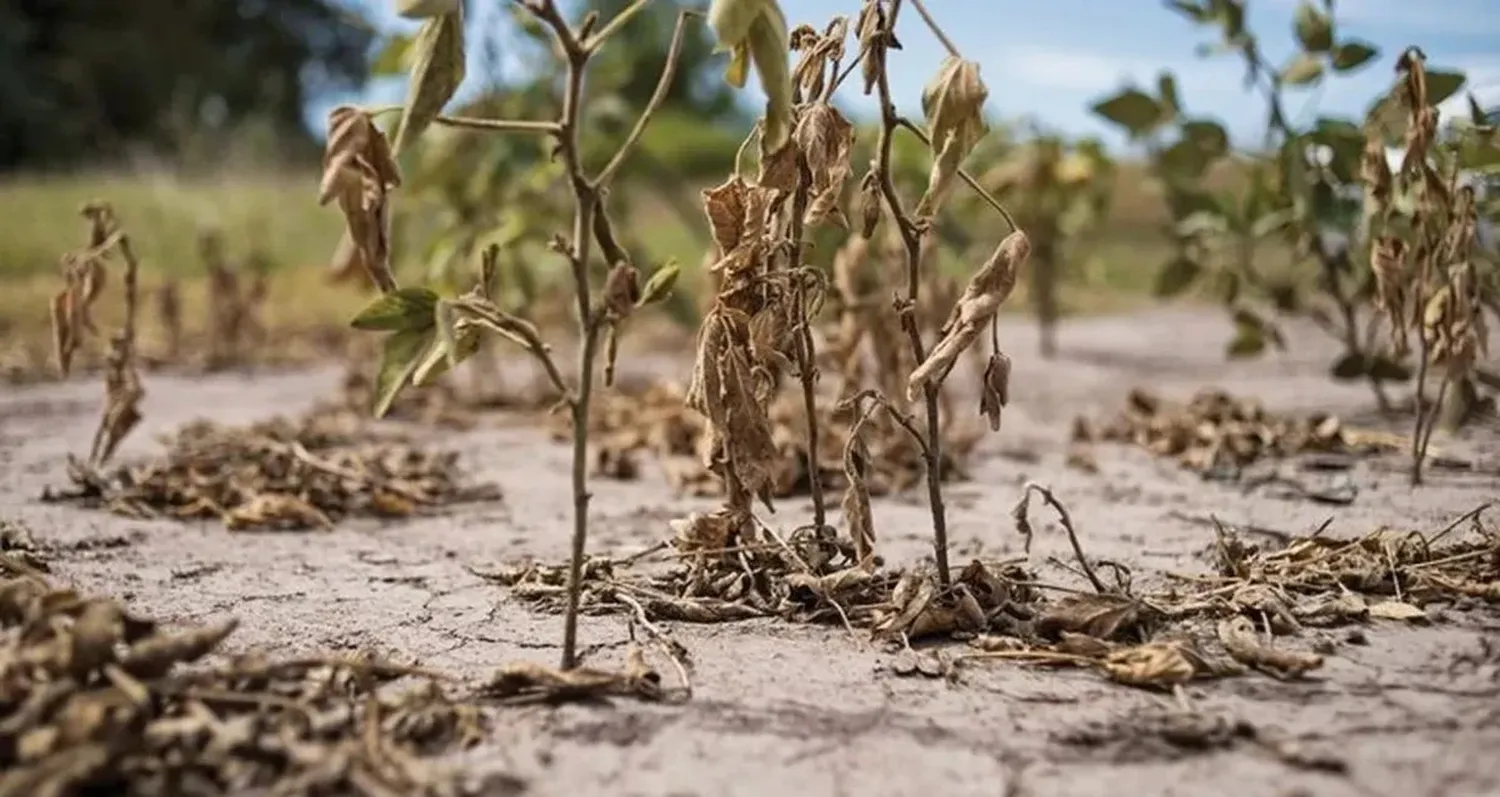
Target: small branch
488 125
663 86
806 355
611 27
912 244
964 175
1024 525
936 30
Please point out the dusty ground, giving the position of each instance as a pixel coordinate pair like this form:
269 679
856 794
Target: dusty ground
779 709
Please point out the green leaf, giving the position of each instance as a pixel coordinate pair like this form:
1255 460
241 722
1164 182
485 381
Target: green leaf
1193 11
393 57
1184 160
437 70
1361 366
1248 341
424 9
403 352
1353 54
1252 334
1176 276
1304 69
1443 84
1207 135
404 309
1166 89
1272 222
440 358
1314 28
1132 109
660 285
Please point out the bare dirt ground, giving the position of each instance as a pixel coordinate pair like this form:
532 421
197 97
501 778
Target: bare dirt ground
1408 710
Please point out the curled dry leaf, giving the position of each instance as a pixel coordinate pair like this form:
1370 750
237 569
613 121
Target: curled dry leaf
995 389
1157 665
987 290
1240 640
359 171
825 138
953 102
528 682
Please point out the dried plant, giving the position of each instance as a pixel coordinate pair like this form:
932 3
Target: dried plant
85 274
307 472
429 333
1299 197
760 325
1422 225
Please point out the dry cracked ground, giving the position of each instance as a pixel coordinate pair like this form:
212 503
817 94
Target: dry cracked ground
1406 710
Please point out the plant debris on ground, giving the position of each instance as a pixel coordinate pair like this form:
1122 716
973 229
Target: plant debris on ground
1235 620
1218 434
303 472
97 699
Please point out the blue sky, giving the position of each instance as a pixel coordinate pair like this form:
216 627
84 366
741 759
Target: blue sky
1049 59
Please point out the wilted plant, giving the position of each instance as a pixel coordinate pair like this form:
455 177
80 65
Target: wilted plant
429 333
1421 223
759 326
71 320
1292 189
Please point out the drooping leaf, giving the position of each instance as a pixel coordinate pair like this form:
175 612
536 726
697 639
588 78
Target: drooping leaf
1132 109
1314 28
1176 276
1353 54
1443 84
437 70
393 56
424 9
1166 88
404 309
1304 70
1207 135
403 352
444 355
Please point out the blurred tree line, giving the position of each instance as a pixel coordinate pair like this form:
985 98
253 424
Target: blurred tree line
90 81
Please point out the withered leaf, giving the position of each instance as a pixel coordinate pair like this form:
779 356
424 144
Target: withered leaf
1108 617
1243 643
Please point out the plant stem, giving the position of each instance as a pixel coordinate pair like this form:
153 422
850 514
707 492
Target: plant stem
806 355
1418 451
933 26
585 200
911 241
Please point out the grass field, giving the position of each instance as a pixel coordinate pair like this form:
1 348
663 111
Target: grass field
277 213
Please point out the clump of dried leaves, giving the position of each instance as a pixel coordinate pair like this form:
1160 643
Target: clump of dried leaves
1219 432
304 472
98 699
1203 626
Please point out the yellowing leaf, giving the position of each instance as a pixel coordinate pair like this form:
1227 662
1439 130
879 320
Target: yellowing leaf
407 308
403 352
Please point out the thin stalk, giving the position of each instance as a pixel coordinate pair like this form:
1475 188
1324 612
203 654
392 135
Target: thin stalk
585 201
806 355
912 244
